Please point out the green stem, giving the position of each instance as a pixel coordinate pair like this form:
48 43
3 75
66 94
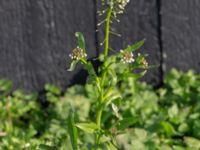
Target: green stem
99 118
107 31
106 41
104 72
100 108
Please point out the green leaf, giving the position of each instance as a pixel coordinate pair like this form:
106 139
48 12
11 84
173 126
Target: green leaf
46 147
110 146
5 85
192 142
111 95
73 65
53 89
135 75
132 48
173 111
87 127
113 75
81 40
183 128
90 69
141 134
126 122
72 131
168 128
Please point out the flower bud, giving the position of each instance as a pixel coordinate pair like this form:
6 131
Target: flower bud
127 57
121 4
77 54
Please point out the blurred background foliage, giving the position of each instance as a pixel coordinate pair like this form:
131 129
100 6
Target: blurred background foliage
165 118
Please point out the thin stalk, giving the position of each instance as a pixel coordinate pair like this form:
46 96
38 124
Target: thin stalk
104 72
107 31
107 37
99 117
100 108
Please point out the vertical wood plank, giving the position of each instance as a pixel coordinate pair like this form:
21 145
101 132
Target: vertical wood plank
36 37
181 34
140 21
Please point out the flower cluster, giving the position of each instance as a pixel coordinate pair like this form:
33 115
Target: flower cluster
127 57
77 54
121 4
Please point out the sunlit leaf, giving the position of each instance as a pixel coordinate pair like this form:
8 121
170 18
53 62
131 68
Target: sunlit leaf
192 142
135 75
141 134
111 95
87 127
173 111
110 146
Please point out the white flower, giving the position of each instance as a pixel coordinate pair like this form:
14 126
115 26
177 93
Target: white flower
77 54
121 4
127 57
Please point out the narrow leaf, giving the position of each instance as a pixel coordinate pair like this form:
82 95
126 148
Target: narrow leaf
114 97
110 146
153 66
135 75
87 127
132 48
114 76
72 131
111 95
81 40
73 65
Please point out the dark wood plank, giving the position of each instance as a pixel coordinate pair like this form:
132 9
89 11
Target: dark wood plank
36 37
181 34
140 21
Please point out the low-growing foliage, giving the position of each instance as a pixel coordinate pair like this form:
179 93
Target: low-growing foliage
154 119
113 111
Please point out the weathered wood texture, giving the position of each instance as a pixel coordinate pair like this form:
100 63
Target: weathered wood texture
140 21
181 34
36 37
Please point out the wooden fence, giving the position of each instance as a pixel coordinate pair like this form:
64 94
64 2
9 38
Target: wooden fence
36 37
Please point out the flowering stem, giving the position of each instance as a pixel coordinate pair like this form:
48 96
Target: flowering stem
107 41
107 31
100 108
104 72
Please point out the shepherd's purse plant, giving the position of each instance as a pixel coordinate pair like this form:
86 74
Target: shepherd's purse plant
115 67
